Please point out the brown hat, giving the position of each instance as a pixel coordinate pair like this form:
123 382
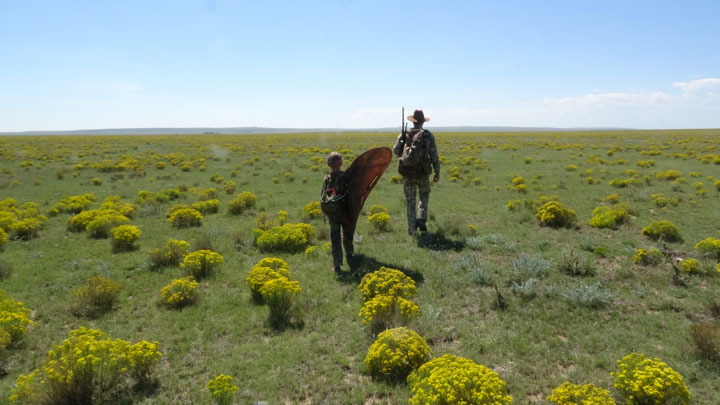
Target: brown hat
418 116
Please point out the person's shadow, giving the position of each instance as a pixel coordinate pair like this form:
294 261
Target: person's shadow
438 241
360 265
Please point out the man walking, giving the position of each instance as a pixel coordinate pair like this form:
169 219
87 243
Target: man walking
417 151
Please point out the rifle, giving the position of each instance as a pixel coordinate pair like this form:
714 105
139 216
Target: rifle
403 124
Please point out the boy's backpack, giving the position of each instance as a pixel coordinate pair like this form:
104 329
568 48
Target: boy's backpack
332 200
413 160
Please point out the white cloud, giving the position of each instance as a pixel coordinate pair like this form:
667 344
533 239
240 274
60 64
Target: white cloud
697 85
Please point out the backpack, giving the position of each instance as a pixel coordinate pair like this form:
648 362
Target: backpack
332 199
414 160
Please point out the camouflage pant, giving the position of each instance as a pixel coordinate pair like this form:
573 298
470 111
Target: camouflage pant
348 232
411 186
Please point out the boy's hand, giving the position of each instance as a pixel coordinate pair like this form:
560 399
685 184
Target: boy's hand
436 178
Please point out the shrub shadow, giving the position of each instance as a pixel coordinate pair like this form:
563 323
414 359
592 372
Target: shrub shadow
360 265
438 241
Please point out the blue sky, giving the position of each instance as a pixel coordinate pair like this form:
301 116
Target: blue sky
338 64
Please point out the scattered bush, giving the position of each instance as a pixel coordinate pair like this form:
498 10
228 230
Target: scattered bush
185 218
708 246
648 257
95 296
387 281
669 175
379 222
265 270
200 263
450 379
662 230
573 266
115 203
3 237
641 380
588 296
690 266
573 394
396 353
555 215
27 228
312 210
285 238
75 204
88 367
124 237
14 317
180 292
706 338
609 217
474 269
102 222
279 294
222 390
242 202
207 206
528 289
384 311
530 266
171 254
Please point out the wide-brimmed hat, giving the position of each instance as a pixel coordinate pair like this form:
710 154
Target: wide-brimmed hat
418 116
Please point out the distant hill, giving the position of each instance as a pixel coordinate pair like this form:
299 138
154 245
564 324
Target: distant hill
263 130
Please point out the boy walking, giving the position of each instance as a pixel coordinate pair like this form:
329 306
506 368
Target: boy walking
334 205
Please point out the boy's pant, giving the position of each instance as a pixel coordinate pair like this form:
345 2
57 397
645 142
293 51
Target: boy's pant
348 231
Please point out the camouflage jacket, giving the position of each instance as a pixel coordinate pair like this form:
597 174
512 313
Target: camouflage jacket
431 158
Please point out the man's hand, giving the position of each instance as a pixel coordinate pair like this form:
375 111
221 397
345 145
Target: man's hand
436 178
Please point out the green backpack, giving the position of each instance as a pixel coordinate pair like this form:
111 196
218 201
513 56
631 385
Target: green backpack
332 199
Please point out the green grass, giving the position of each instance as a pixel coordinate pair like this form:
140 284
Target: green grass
535 343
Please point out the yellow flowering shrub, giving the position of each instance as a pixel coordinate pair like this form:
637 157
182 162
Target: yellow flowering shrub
102 222
376 209
279 294
457 380
668 175
514 205
555 215
3 237
387 281
180 292
641 380
222 389
647 257
207 206
116 203
95 296
186 218
709 246
285 238
379 222
609 217
75 204
574 394
265 270
171 254
87 367
242 202
691 266
613 198
396 353
145 197
124 236
312 210
386 310
14 317
27 228
662 230
201 263
661 201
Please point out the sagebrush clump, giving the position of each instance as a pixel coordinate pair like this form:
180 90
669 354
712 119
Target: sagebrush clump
265 270
201 263
574 394
222 390
88 367
662 230
556 215
180 292
171 254
285 238
124 237
97 295
242 202
395 353
456 380
641 380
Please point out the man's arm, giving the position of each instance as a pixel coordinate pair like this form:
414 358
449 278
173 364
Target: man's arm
398 148
433 153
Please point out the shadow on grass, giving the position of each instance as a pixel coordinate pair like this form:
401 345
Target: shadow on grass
360 265
438 241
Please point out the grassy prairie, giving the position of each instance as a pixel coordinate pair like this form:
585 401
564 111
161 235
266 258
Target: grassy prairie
548 333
